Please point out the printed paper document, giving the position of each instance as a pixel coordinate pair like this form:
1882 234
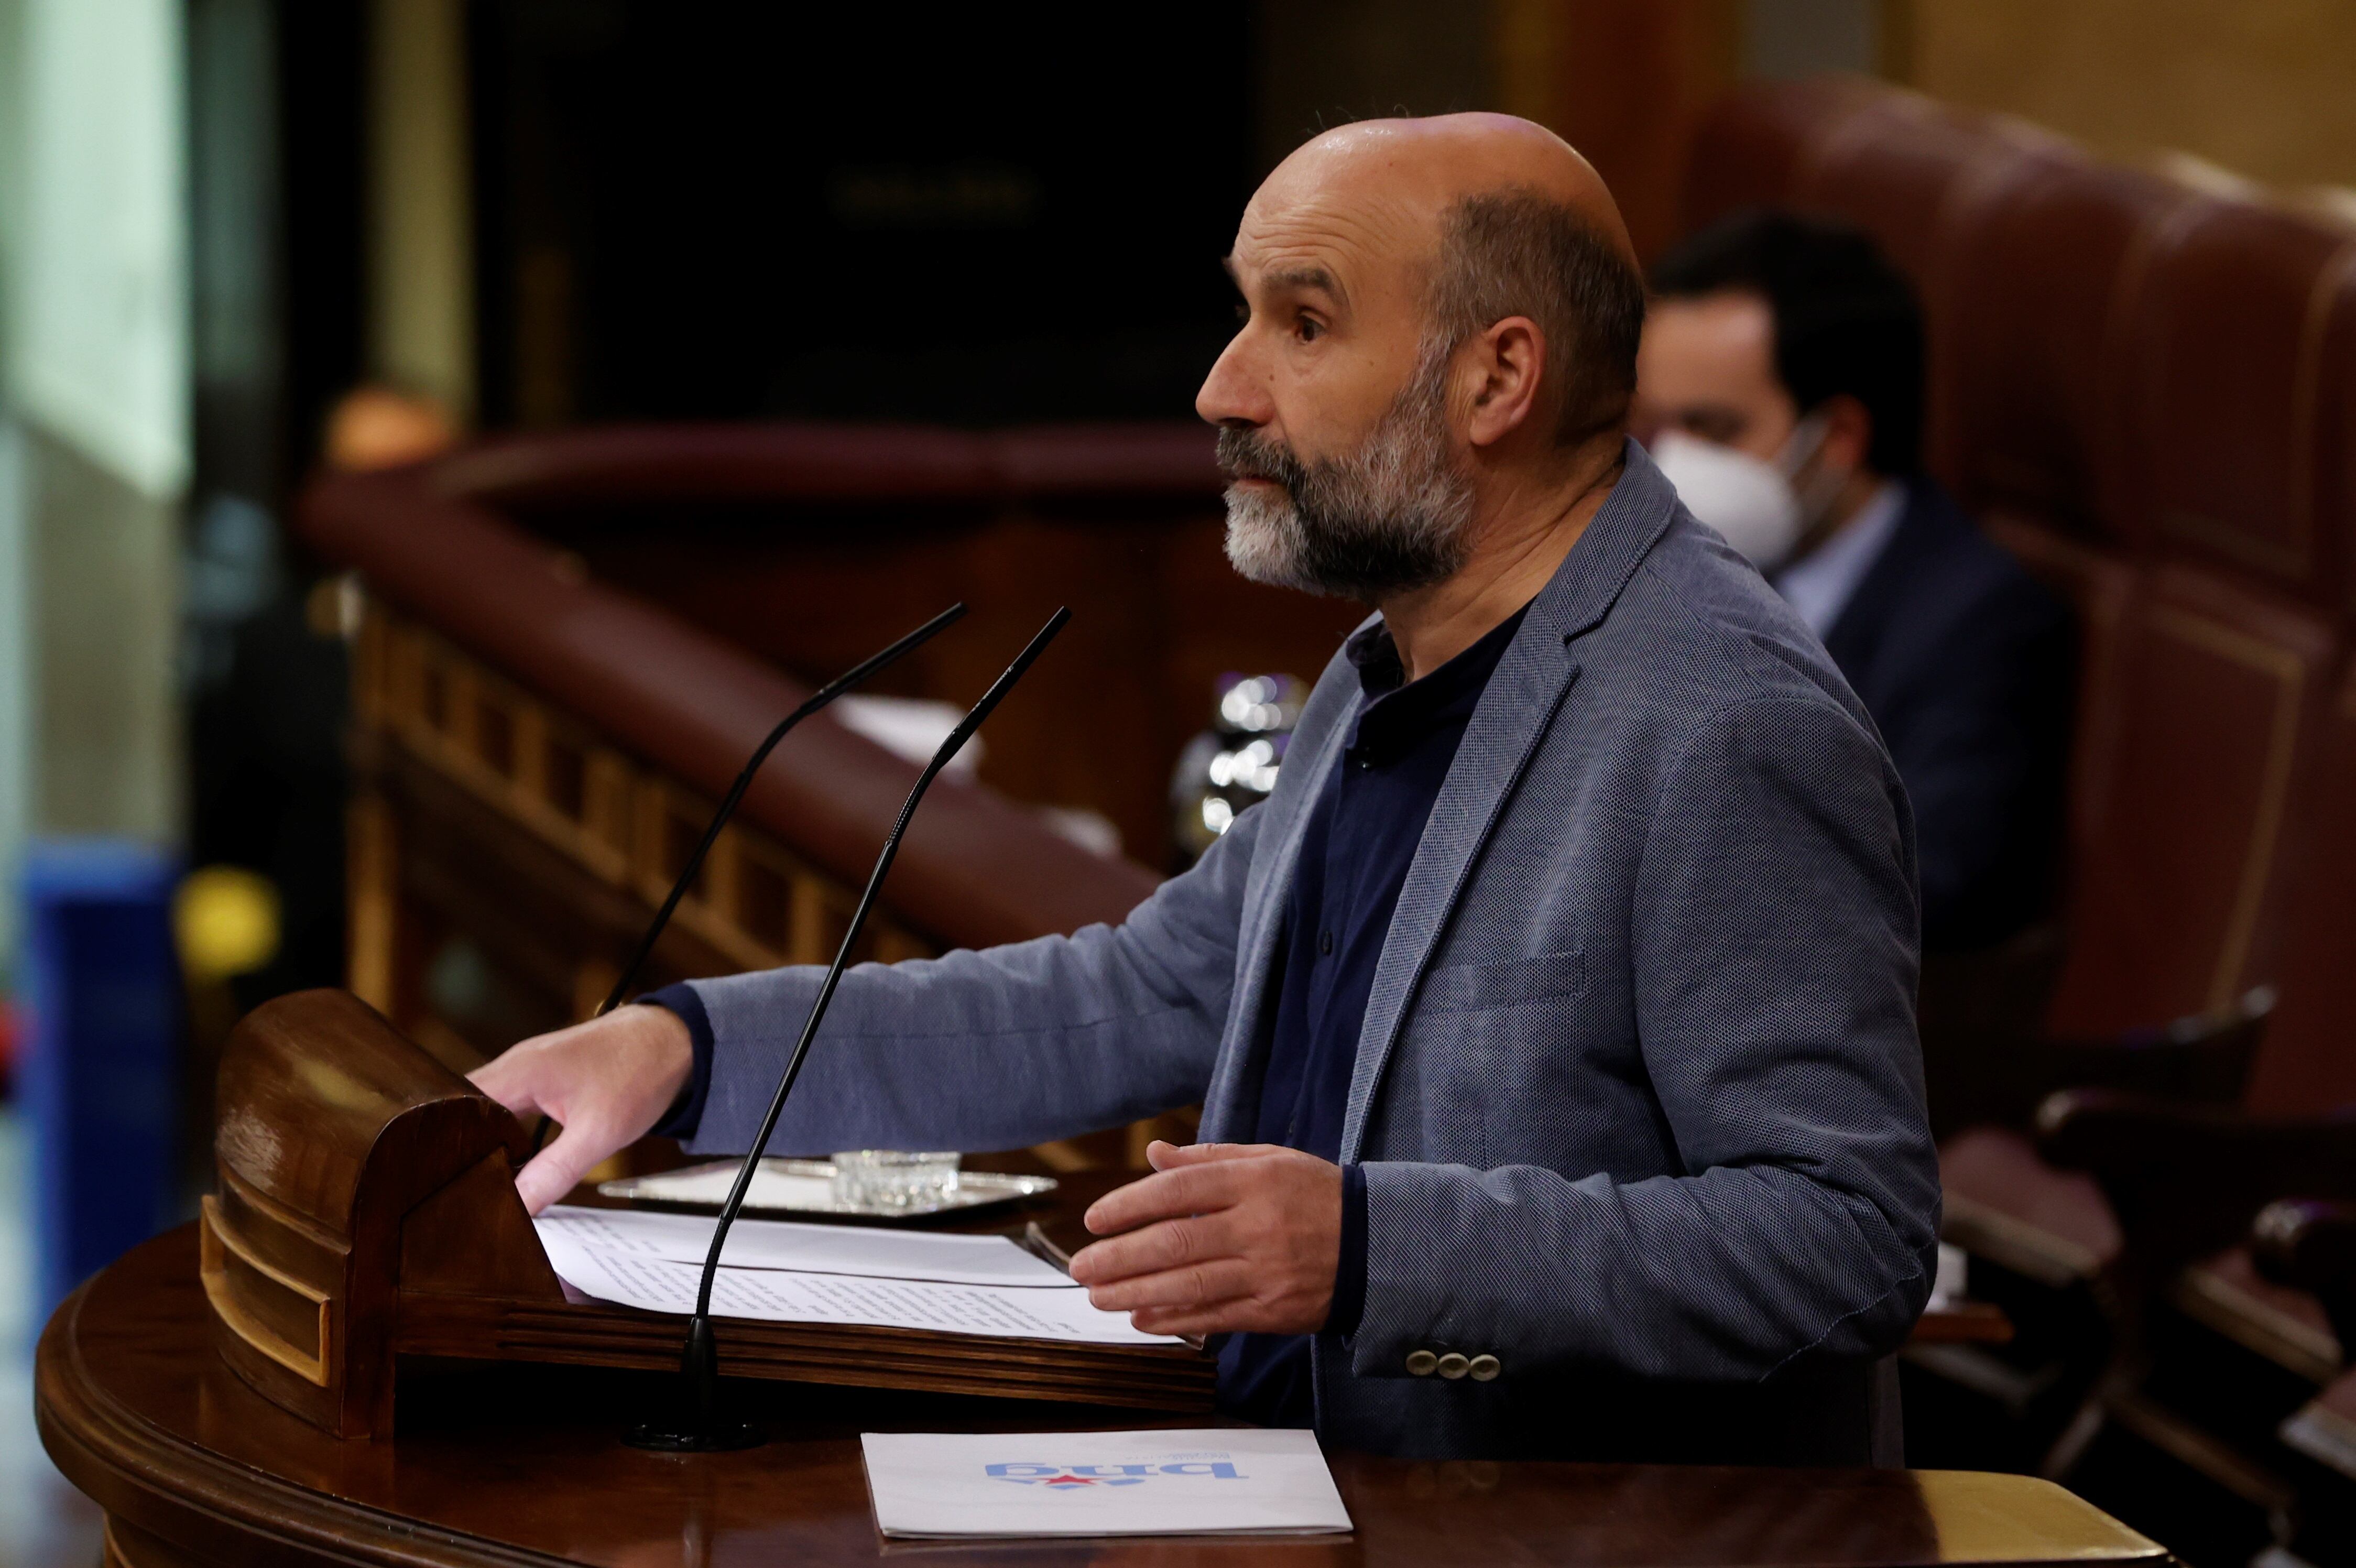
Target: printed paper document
1241 1482
782 1272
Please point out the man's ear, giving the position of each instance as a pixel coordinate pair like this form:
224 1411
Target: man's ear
1848 434
1505 367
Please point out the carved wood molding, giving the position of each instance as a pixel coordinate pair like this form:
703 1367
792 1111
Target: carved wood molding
629 825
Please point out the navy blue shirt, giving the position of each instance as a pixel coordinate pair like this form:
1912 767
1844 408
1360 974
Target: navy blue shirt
1360 839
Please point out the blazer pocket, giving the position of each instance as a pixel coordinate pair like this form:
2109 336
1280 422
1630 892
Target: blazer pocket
1473 987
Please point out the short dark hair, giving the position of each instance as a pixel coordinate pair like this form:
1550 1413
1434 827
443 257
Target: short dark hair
1519 253
1846 321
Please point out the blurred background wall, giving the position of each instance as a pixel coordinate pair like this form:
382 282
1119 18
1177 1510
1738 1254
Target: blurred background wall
2261 87
94 451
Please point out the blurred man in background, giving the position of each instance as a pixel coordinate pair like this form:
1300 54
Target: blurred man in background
1780 387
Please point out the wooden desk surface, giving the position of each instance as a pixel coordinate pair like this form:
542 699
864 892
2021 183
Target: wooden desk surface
521 1465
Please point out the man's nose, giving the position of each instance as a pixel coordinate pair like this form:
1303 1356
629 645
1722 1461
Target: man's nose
1236 391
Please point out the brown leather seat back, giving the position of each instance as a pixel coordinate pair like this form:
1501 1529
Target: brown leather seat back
2309 1060
2225 352
1906 169
2334 421
2029 306
2224 372
1749 152
2025 298
1901 167
2101 588
2216 698
2148 392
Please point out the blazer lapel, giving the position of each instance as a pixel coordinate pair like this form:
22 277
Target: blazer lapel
1515 712
1226 1114
1513 715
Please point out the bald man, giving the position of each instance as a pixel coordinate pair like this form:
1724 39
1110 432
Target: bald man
1553 1019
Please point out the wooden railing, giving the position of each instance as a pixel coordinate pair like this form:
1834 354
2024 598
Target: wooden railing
755 904
535 751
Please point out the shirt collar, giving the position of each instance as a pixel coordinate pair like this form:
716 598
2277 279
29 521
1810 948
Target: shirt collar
1820 585
1395 715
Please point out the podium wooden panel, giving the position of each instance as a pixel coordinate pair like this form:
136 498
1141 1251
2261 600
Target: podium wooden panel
501 1467
366 1219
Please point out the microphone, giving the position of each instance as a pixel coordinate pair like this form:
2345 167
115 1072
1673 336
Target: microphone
699 1427
817 699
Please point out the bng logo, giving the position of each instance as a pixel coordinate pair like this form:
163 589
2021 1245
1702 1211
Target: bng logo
1087 1477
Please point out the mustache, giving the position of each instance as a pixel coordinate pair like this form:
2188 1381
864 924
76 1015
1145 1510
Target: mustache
1246 454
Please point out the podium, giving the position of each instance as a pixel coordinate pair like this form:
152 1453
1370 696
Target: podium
226 1392
505 1465
366 1218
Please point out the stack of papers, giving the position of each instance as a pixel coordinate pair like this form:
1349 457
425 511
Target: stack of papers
776 1271
1241 1482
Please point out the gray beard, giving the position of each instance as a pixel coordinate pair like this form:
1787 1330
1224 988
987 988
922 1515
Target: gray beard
1386 519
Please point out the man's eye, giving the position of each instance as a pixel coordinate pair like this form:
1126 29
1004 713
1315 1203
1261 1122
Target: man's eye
1308 329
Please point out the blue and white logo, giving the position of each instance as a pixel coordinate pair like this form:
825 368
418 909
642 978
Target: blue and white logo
1087 1477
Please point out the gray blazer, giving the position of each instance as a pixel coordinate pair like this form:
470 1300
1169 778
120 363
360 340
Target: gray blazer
1638 1094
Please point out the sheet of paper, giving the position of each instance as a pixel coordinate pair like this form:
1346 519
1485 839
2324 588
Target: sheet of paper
871 1251
1947 1285
613 1263
1243 1482
772 1188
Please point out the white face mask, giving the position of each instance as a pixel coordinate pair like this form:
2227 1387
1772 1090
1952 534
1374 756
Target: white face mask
1751 503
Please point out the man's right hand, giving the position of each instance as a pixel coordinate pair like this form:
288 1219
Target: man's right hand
605 1082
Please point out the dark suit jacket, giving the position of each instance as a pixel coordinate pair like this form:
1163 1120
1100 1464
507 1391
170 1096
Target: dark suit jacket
1969 666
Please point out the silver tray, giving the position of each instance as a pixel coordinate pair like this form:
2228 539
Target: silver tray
805 1189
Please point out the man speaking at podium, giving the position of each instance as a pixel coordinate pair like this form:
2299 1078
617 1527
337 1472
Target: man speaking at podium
1553 1021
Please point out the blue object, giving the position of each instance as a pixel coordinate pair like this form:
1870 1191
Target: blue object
99 1074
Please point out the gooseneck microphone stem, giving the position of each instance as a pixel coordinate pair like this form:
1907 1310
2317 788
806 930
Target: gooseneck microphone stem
948 749
817 699
701 1427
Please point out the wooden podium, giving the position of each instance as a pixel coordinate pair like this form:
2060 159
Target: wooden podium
517 1465
366 1214
206 1390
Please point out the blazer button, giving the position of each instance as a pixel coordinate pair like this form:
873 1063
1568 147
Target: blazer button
1453 1365
1422 1362
1484 1368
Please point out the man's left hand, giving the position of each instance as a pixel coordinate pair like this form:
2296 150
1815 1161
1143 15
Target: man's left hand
1224 1238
